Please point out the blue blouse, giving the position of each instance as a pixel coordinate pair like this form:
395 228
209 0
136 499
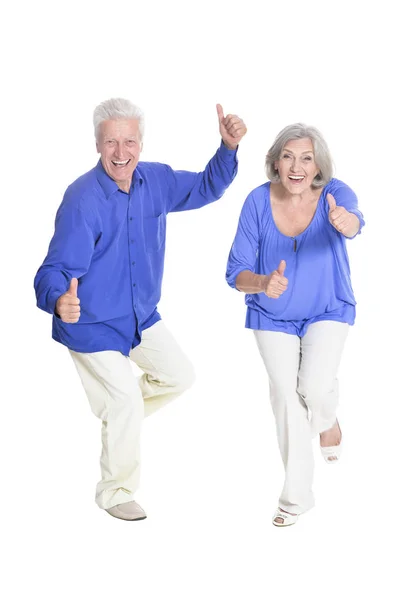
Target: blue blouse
318 273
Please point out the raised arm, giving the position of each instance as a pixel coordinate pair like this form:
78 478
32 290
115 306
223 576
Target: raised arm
189 190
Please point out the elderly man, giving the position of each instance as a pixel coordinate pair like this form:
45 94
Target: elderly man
101 281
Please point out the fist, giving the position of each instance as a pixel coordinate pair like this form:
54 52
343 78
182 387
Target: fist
345 222
67 305
276 282
232 128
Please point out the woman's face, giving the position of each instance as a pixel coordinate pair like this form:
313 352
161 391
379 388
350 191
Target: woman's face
296 165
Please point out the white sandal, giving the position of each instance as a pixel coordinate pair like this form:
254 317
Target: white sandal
331 454
287 518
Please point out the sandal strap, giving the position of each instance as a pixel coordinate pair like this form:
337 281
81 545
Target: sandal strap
330 449
284 516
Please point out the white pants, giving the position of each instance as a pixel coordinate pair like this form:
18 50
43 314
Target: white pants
121 401
304 397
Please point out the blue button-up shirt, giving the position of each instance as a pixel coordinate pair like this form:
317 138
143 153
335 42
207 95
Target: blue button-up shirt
114 243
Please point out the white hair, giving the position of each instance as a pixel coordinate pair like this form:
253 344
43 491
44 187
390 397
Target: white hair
321 152
117 108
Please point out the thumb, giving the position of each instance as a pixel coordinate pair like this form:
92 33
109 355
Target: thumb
73 288
220 112
331 202
281 267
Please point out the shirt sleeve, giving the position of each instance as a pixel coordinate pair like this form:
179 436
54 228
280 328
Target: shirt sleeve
244 251
188 190
69 255
346 197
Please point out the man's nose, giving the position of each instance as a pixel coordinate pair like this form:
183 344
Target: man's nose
119 151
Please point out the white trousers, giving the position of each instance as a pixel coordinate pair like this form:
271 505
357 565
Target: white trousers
304 397
121 401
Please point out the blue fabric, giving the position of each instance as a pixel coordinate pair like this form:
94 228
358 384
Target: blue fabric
318 273
114 243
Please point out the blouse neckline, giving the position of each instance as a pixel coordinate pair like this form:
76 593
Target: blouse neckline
292 237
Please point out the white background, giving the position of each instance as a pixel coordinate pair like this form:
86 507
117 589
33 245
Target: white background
211 469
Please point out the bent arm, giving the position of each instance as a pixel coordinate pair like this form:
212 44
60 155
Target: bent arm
188 190
355 227
251 283
346 197
243 254
69 255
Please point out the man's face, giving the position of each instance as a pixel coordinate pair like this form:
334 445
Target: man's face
119 144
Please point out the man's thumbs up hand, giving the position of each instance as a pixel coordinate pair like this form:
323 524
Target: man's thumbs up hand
67 305
232 128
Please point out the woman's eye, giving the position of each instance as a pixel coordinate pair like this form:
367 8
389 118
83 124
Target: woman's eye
308 158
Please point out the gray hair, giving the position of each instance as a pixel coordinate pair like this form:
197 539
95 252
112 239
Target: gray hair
321 152
117 108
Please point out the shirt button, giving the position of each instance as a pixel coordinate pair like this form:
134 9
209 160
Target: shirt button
134 262
131 218
134 285
131 241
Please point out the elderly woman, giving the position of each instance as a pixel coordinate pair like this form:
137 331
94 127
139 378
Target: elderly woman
289 257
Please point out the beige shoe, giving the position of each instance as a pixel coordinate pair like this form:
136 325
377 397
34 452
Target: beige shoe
129 511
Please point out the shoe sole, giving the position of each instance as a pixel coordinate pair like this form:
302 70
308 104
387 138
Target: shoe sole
122 519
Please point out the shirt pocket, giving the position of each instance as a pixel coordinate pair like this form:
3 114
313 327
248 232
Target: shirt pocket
154 232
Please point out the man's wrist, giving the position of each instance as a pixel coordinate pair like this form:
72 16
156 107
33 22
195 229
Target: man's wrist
229 146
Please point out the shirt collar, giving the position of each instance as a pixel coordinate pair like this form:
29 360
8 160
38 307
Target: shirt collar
110 186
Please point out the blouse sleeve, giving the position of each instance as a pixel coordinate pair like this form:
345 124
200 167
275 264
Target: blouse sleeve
244 251
346 197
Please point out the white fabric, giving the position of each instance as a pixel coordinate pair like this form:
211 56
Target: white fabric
121 401
304 397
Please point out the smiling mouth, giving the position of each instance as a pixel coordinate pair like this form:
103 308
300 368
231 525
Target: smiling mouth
296 178
120 163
